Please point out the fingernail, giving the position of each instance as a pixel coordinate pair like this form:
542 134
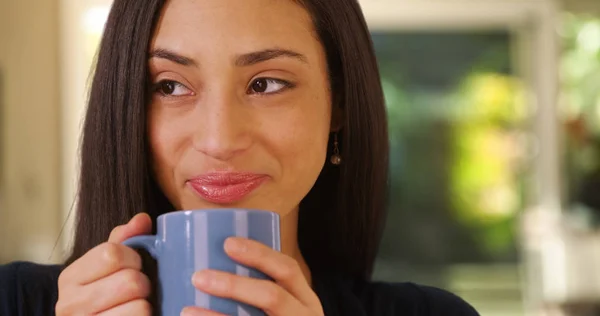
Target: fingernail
235 245
187 311
208 280
202 278
193 311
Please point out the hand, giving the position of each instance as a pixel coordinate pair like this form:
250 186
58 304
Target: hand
107 280
289 295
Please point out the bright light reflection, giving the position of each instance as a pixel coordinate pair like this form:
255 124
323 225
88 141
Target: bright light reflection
95 18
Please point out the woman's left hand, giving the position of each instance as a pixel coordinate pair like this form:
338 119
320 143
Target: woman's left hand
290 294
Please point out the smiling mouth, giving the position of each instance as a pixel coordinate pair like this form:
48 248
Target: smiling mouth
226 187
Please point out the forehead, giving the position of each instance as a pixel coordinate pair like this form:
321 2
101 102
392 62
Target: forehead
236 24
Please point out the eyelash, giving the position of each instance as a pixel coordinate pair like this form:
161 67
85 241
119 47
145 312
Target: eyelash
286 86
157 86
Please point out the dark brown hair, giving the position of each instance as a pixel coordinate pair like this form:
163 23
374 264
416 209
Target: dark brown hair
341 217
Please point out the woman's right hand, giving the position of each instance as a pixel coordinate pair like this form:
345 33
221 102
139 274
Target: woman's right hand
107 280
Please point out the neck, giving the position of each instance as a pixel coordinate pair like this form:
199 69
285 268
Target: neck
289 242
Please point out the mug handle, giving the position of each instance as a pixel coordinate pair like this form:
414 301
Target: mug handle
146 242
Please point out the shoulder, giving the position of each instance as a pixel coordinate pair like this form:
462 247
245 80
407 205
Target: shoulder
25 269
7 285
28 289
415 299
25 274
391 299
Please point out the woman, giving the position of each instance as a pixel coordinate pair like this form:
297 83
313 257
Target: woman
279 97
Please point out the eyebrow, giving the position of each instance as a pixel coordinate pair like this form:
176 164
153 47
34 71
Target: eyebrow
267 54
172 56
241 60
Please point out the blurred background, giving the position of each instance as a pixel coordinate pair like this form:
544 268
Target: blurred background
494 114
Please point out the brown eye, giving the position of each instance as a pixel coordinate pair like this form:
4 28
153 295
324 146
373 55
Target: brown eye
268 86
167 87
260 85
171 88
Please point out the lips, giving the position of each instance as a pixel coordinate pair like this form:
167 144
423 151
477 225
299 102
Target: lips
226 187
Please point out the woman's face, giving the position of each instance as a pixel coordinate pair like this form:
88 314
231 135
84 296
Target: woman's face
240 112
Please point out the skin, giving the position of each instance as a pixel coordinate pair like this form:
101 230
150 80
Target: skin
211 111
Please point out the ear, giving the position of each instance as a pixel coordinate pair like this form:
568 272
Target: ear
337 118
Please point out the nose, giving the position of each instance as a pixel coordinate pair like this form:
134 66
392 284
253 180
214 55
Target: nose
224 127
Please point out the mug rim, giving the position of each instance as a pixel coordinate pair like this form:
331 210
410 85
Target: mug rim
216 210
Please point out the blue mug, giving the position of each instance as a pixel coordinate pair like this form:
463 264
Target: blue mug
189 241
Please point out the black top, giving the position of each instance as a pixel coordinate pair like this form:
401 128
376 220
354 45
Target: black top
28 289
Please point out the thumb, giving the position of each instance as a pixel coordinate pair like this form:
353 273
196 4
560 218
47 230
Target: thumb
140 224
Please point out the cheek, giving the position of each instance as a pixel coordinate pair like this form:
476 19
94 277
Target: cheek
164 140
159 149
158 137
302 147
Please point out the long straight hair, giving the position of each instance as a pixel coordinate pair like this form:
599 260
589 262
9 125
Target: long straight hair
341 218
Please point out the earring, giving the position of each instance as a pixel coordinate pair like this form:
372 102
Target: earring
336 158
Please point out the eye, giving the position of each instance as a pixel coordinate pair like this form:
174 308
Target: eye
268 86
172 88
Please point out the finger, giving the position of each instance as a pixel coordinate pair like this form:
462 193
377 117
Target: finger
263 294
103 260
197 311
122 286
138 307
119 288
283 269
108 258
140 224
